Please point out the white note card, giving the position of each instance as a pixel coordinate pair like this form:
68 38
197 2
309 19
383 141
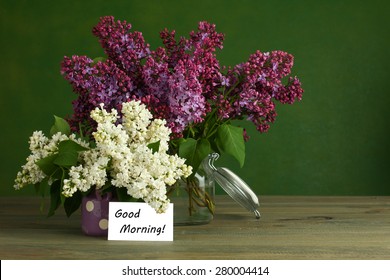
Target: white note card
139 222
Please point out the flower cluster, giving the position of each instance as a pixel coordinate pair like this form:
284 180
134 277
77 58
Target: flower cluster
122 157
122 151
152 116
41 147
258 82
181 82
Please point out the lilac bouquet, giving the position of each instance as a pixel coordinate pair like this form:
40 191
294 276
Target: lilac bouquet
144 119
183 83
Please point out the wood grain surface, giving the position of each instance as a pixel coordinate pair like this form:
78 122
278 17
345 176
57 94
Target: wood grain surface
291 227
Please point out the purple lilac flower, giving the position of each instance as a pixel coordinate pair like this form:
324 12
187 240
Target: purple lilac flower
181 82
259 108
257 82
125 48
290 93
200 48
155 74
186 101
102 82
205 42
176 93
175 50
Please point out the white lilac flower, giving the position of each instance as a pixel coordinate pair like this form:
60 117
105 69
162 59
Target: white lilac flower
136 119
41 147
37 141
123 150
158 131
121 157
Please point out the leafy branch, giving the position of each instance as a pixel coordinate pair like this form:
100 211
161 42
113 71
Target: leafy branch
56 166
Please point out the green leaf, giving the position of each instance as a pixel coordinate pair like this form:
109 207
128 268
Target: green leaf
194 151
73 203
55 197
60 125
230 140
68 152
47 164
155 147
42 187
203 149
106 188
187 148
70 145
123 196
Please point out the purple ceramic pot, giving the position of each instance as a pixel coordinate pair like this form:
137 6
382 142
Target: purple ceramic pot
94 213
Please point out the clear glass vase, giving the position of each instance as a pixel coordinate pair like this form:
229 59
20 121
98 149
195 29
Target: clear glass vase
193 199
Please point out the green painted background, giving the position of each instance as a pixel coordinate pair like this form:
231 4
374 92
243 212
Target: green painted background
334 142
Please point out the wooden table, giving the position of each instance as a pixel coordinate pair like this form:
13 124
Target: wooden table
291 227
